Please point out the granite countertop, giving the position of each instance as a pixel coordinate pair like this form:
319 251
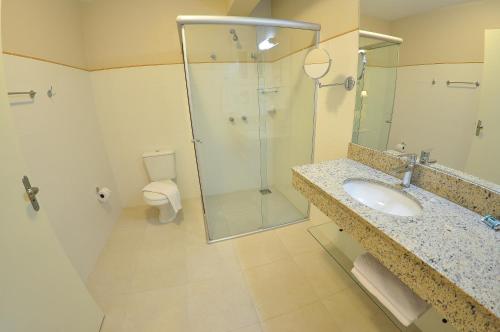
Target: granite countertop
449 238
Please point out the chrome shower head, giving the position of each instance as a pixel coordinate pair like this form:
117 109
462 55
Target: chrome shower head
363 61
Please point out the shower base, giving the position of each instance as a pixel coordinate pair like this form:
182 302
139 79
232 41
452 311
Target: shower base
237 213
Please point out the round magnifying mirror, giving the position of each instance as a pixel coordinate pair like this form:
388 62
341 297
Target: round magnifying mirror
317 63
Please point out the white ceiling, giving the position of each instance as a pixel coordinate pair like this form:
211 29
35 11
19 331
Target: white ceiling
395 9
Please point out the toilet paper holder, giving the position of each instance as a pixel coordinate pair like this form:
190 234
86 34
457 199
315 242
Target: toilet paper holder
102 194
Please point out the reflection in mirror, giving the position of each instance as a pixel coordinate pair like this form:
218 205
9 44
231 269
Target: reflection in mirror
436 90
317 63
377 65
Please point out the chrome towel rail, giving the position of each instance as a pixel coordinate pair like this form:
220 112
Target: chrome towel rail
31 93
476 83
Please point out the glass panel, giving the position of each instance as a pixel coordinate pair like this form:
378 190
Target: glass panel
375 93
249 132
286 101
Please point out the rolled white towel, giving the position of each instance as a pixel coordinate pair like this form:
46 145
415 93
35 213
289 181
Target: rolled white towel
398 298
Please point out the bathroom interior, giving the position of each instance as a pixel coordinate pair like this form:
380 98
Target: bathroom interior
249 165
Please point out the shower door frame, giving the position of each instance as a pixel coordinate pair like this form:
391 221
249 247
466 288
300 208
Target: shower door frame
183 20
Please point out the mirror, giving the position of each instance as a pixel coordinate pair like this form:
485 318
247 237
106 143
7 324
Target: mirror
317 63
428 81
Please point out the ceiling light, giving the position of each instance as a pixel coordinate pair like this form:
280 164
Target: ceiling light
267 44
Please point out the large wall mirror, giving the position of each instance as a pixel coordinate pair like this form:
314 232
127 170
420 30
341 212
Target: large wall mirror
429 80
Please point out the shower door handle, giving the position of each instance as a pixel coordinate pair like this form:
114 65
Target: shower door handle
31 192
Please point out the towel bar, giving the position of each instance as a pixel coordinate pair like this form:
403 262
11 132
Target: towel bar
476 83
31 93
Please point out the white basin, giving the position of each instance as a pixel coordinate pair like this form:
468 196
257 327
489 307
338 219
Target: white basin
382 197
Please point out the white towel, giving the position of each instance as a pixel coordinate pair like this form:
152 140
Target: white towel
400 300
169 189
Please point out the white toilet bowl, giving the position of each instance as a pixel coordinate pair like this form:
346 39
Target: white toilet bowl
162 203
160 166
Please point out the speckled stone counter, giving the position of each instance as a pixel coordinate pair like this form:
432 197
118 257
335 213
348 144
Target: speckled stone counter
445 254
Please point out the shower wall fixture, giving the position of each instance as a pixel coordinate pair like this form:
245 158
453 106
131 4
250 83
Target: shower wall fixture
252 115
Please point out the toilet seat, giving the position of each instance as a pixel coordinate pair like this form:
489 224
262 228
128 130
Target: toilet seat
151 196
155 199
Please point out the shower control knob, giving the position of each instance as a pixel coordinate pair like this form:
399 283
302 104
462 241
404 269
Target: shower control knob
244 118
231 119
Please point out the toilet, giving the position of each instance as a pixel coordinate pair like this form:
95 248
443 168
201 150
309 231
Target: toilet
162 192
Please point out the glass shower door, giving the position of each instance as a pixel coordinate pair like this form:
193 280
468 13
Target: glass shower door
224 114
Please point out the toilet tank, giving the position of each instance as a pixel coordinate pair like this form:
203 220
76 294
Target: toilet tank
160 165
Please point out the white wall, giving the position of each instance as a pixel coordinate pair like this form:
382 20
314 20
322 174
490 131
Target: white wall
430 116
144 109
61 141
335 106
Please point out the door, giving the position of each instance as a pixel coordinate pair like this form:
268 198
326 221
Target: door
39 289
485 143
225 121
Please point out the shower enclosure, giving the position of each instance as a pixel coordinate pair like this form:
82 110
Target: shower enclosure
378 58
252 114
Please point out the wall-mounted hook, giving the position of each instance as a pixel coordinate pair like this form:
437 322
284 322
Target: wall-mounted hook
50 92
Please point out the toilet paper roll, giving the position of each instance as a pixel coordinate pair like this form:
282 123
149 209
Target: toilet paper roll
103 194
401 147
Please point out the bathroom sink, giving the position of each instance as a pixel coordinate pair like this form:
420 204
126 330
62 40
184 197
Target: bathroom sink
382 197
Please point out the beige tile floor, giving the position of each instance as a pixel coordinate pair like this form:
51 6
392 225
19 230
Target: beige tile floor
153 278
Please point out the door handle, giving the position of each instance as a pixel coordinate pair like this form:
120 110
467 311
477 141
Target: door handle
479 127
31 192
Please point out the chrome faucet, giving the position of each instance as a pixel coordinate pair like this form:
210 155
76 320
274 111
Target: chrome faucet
407 168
